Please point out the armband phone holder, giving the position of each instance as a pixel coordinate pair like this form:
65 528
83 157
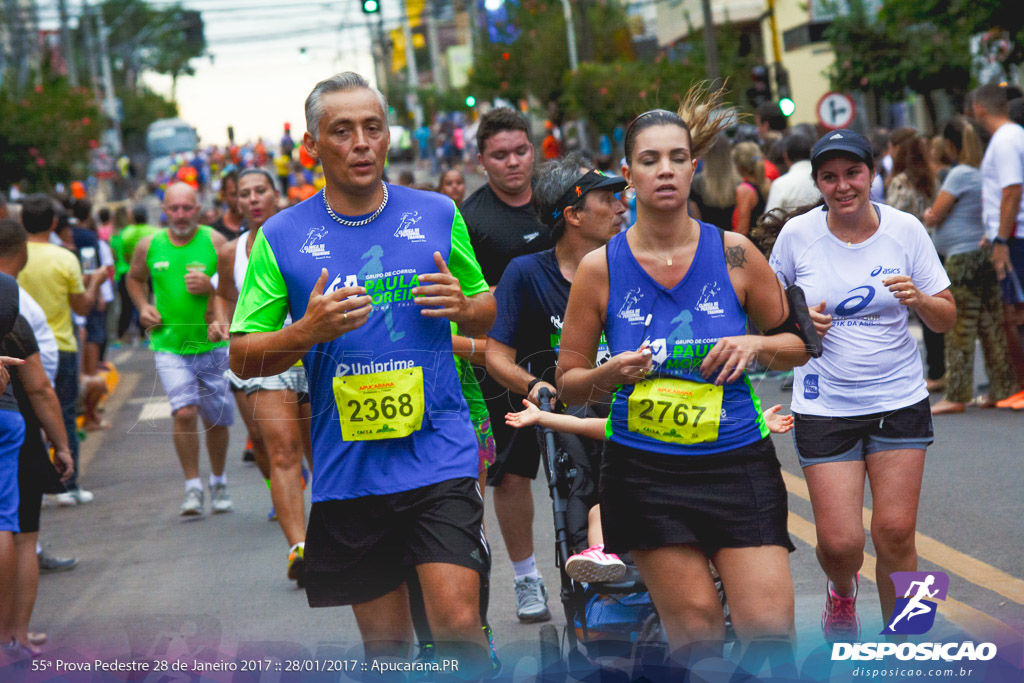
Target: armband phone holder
800 318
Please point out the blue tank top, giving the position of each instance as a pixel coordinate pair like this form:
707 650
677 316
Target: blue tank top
681 325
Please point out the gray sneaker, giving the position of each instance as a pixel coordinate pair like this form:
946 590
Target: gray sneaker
49 564
220 501
531 600
193 505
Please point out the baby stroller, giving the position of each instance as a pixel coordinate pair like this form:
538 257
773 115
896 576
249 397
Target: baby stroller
612 631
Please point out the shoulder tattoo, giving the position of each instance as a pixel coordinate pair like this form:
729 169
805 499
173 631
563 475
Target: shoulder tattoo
735 257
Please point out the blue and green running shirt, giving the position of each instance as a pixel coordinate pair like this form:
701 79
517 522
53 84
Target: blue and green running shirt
385 256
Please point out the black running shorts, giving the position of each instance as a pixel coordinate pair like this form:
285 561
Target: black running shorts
733 499
821 439
360 549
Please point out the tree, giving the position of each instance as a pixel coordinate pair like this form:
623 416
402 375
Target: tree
916 45
46 133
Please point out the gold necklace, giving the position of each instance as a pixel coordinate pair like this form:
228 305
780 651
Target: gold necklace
668 259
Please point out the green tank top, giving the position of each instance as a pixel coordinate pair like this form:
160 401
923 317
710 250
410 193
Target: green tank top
184 315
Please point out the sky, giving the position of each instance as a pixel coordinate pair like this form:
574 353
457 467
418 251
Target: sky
259 77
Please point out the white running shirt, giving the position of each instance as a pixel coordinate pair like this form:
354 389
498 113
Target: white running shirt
870 362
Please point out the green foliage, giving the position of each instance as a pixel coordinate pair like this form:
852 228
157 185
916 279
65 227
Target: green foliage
920 45
143 36
613 93
535 63
46 133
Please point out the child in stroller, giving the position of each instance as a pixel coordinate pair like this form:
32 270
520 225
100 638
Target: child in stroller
593 564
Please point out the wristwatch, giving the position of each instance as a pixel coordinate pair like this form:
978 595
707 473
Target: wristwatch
1000 240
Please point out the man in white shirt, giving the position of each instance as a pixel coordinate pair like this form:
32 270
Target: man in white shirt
1002 179
795 188
1002 173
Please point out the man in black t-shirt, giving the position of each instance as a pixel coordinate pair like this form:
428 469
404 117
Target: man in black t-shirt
503 224
579 205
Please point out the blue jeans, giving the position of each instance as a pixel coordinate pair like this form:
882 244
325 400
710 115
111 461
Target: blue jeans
66 386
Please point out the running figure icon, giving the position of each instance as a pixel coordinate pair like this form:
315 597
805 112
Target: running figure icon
916 606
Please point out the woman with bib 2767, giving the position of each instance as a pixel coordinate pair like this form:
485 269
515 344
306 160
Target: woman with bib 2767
689 473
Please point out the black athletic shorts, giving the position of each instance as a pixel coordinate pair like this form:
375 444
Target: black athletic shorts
517 450
360 549
733 499
36 476
820 439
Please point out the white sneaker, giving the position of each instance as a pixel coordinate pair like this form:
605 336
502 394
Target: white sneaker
220 501
594 565
76 497
531 600
193 505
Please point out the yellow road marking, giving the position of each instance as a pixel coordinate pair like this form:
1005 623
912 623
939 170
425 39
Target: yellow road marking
961 564
973 621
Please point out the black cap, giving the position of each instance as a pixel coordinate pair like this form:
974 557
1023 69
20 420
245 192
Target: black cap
592 180
841 142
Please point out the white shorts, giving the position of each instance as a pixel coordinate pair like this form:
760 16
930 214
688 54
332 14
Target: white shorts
292 379
198 380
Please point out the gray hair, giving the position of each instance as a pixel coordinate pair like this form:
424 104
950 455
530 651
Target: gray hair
553 180
347 80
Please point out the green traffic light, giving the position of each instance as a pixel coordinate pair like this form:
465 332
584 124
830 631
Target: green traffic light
370 6
787 106
470 101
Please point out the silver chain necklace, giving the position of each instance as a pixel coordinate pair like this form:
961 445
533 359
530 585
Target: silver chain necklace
356 224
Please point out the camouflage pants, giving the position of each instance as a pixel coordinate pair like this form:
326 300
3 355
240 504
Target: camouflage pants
979 314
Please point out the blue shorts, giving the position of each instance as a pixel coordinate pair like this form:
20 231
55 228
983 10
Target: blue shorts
96 327
12 434
198 380
821 439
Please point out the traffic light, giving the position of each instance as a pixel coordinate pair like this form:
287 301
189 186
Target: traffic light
470 101
370 6
761 88
786 103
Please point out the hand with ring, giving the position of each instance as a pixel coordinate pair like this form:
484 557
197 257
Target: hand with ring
327 315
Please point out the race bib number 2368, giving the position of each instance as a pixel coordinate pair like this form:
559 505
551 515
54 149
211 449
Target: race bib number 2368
380 405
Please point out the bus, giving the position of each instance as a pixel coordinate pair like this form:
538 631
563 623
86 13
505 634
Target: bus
166 138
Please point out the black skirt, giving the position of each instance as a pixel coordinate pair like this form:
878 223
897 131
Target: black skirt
733 499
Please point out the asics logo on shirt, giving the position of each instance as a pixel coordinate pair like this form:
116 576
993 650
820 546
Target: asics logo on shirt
857 302
879 270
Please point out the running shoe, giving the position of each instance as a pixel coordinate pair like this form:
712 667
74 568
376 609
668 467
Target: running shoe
248 455
49 564
594 565
297 564
839 619
220 501
193 505
531 600
1009 401
74 497
307 477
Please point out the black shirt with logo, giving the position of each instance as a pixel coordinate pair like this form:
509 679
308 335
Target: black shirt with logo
499 232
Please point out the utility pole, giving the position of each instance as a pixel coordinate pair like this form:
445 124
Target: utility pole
90 49
471 6
574 64
436 69
66 46
110 101
711 46
411 73
18 35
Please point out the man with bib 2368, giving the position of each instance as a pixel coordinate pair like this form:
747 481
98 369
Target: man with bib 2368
371 274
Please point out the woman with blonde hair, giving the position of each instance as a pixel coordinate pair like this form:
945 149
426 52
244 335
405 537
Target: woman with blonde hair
680 483
752 193
713 192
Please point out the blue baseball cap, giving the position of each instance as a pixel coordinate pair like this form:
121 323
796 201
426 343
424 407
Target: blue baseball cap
841 142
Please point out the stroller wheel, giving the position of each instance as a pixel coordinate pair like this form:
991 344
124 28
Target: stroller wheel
552 668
